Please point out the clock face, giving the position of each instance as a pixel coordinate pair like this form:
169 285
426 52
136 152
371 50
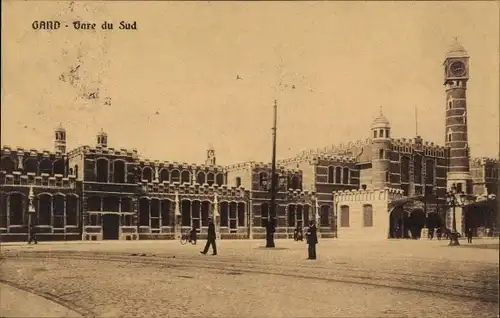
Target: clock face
457 68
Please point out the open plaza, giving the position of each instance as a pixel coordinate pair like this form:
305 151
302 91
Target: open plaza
350 278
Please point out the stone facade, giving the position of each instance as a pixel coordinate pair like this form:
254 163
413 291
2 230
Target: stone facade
364 213
99 192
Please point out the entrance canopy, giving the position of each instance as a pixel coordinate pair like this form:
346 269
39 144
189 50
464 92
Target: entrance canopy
401 202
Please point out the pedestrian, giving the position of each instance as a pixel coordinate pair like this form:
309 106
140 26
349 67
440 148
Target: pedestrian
192 238
312 240
210 238
32 234
469 235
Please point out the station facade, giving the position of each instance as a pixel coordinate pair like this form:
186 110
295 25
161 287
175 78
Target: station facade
99 192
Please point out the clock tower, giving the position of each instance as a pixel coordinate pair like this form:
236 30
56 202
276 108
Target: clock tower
456 75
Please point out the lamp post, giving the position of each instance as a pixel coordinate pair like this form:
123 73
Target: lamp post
31 210
455 199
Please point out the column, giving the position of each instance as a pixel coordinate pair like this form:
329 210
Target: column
160 212
7 197
249 211
64 214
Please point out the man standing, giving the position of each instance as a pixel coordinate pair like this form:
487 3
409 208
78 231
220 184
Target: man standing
210 238
312 240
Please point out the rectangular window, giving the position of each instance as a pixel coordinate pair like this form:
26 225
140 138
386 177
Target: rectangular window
344 216
367 216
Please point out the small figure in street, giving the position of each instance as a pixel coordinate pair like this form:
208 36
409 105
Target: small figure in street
312 240
438 233
469 235
192 234
210 238
32 234
298 236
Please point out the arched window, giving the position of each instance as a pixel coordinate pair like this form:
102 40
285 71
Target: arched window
405 169
196 214
58 212
295 183
16 209
144 212
224 214
154 214
338 175
102 170
205 212
324 216
119 171
166 208
46 166
59 167
110 204
330 174
72 210
175 176
186 213
291 214
219 179
185 177
381 153
450 105
201 178
417 168
44 209
381 133
374 134
94 203
210 178
164 175
367 215
344 216
241 214
147 174
76 171
264 181
429 172
238 181
31 165
345 175
233 215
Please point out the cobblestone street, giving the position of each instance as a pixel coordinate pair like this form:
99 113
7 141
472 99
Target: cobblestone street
350 278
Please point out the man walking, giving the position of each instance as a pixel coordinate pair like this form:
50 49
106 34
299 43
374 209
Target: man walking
469 235
210 238
312 240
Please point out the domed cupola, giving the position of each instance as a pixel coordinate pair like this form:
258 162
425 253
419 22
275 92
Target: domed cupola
381 127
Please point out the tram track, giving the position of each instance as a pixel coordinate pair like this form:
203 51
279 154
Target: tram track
84 312
341 273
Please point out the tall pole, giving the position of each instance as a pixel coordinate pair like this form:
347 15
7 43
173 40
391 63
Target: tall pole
272 215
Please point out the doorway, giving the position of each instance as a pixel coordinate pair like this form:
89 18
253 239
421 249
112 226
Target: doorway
110 226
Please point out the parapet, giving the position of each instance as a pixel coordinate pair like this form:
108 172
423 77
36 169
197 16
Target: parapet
103 151
484 160
413 143
20 151
386 194
180 165
224 191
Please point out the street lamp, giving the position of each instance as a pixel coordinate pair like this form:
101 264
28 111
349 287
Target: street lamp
455 198
31 209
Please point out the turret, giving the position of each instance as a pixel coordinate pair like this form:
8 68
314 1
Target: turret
102 139
381 141
210 161
60 139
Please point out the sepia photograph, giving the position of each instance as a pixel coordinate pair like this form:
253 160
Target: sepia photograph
250 159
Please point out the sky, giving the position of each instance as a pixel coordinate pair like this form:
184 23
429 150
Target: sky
170 88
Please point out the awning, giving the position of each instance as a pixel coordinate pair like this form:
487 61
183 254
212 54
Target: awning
482 204
401 202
